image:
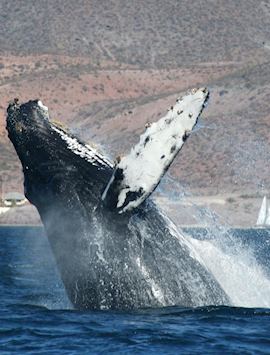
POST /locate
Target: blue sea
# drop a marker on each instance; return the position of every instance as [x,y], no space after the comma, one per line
[36,317]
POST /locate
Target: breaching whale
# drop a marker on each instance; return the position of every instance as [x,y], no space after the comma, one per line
[115,249]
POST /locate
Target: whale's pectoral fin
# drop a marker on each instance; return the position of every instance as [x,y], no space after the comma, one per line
[137,175]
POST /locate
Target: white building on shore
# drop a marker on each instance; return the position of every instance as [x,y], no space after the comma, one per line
[14,199]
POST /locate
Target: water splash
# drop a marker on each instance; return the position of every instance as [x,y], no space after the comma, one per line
[234,266]
[237,271]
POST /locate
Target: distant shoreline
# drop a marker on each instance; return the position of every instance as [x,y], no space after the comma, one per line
[231,211]
[20,225]
[181,227]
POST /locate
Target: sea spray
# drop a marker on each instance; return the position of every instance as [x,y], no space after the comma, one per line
[232,263]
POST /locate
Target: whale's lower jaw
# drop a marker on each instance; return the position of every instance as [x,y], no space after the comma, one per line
[106,260]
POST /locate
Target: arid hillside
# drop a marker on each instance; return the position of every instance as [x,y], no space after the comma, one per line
[152,33]
[105,68]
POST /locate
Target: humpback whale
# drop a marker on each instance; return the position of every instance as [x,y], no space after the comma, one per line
[115,249]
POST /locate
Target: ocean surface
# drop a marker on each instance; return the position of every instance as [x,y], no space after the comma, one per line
[36,317]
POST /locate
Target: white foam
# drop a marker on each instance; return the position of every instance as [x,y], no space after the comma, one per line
[238,273]
[156,290]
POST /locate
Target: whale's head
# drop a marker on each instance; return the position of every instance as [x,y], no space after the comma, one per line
[29,129]
[25,120]
[51,157]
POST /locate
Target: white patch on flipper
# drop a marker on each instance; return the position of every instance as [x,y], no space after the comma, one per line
[84,151]
[147,162]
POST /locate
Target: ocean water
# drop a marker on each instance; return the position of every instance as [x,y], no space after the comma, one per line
[36,317]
